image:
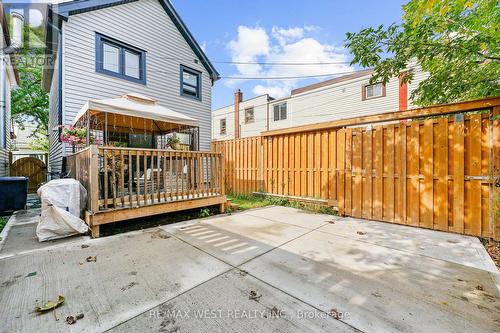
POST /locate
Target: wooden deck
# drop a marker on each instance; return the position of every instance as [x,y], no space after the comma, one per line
[127,183]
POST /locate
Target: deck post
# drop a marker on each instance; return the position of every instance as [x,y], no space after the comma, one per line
[94,179]
[93,194]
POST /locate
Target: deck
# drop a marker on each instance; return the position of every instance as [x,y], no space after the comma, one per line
[127,183]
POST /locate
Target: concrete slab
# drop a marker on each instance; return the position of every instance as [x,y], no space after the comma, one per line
[292,216]
[223,305]
[235,238]
[460,249]
[393,278]
[19,235]
[382,289]
[133,273]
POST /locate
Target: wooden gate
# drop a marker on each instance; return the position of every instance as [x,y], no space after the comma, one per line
[30,167]
[436,167]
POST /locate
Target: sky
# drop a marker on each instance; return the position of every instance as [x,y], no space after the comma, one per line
[278,31]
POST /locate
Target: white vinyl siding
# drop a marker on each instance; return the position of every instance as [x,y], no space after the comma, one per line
[252,128]
[166,51]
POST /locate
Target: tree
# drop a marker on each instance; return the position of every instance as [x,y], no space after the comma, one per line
[29,101]
[455,41]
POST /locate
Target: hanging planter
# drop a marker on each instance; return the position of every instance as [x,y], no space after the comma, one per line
[74,136]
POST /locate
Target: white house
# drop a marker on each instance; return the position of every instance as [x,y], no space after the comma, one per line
[108,48]
[342,97]
[9,78]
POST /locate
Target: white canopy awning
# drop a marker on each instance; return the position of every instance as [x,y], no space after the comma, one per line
[136,106]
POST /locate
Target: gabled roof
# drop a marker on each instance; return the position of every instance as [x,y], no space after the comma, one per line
[339,79]
[66,9]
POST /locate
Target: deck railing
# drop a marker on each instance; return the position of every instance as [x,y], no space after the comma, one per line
[133,177]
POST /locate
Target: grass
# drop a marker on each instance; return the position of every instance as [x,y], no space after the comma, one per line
[243,201]
[253,201]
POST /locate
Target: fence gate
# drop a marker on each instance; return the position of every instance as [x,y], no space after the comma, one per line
[31,167]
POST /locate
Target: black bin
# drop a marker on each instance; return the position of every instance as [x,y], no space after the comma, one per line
[13,193]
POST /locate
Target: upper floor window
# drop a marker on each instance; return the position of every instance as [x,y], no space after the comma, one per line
[223,126]
[190,82]
[279,112]
[249,115]
[373,90]
[120,60]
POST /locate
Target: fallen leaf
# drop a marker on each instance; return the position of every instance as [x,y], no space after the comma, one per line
[91,258]
[50,305]
[31,274]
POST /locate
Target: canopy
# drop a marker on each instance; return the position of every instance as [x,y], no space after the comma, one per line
[135,111]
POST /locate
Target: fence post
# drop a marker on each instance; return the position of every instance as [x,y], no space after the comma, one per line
[94,179]
[495,174]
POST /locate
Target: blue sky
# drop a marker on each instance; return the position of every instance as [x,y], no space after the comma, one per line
[278,31]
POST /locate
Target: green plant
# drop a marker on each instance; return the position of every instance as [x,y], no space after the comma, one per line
[173,141]
[3,222]
[204,212]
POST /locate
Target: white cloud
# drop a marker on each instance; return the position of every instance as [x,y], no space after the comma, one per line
[251,43]
[289,45]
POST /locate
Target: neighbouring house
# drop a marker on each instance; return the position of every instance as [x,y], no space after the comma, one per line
[105,49]
[23,136]
[342,97]
[9,78]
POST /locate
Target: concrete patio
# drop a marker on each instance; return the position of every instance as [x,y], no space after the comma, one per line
[270,269]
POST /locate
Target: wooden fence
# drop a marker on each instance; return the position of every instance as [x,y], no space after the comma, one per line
[434,167]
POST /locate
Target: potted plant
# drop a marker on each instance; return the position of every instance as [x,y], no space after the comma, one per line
[173,142]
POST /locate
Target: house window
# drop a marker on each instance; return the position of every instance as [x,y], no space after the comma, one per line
[249,115]
[190,83]
[279,112]
[373,91]
[120,60]
[223,126]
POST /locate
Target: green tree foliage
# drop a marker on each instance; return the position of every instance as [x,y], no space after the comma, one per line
[29,101]
[455,41]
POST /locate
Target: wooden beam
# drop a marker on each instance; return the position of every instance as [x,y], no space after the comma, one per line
[393,116]
[121,214]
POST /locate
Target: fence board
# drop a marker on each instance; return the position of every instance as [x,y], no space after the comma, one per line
[433,172]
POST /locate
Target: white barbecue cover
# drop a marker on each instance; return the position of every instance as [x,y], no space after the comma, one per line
[63,202]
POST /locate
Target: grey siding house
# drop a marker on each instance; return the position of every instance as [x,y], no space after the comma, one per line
[105,49]
[9,78]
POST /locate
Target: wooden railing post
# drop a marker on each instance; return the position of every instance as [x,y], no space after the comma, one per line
[93,180]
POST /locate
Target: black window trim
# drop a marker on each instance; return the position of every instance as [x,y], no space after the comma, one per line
[99,65]
[198,88]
